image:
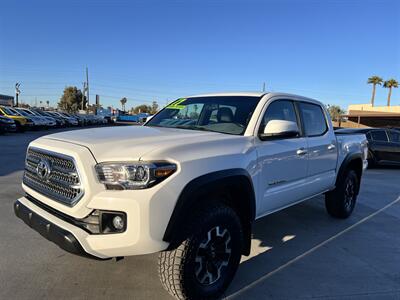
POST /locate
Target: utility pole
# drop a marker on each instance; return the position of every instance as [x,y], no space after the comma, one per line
[17,92]
[87,88]
[263,86]
[97,104]
[83,96]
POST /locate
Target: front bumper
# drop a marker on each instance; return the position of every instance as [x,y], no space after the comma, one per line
[9,127]
[61,237]
[67,233]
[29,125]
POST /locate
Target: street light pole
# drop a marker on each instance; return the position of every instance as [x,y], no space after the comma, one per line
[17,92]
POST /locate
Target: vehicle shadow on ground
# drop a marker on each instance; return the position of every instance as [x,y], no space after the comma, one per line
[283,236]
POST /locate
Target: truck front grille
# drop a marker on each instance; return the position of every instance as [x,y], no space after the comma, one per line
[53,175]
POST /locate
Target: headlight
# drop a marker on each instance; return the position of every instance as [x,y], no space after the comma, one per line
[133,176]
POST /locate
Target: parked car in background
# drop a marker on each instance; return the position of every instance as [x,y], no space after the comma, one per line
[82,120]
[51,122]
[383,145]
[60,122]
[68,120]
[39,123]
[7,125]
[22,123]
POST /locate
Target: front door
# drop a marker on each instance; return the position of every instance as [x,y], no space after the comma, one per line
[282,162]
[394,136]
[380,145]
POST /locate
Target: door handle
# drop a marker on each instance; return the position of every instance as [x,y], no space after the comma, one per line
[301,152]
[331,147]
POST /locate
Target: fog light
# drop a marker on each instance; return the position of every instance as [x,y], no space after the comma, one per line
[113,222]
[118,223]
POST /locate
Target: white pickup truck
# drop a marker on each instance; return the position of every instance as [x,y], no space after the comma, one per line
[189,183]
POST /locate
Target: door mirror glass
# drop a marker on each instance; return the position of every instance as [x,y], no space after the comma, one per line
[279,129]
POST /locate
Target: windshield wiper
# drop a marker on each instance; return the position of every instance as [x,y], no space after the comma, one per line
[193,127]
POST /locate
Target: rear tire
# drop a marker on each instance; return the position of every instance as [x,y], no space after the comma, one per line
[203,265]
[340,202]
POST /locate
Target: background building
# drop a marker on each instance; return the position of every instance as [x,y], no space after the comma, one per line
[6,100]
[366,115]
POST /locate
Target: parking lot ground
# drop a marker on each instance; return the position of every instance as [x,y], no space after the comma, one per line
[298,253]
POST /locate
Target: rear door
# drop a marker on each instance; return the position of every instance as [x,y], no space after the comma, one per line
[322,148]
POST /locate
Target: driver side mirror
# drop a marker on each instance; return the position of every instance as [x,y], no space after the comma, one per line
[276,129]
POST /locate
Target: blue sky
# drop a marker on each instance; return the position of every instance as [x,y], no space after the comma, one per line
[161,50]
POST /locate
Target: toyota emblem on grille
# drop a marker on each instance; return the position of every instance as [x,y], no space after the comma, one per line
[43,169]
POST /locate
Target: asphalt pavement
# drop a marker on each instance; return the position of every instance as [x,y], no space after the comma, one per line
[298,253]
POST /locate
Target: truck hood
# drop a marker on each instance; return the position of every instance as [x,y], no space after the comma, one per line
[127,143]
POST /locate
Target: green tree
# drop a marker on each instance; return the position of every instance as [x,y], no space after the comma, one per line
[154,107]
[389,84]
[374,80]
[335,111]
[71,100]
[142,109]
[123,102]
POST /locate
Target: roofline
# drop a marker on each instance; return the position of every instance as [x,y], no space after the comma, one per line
[221,94]
[257,94]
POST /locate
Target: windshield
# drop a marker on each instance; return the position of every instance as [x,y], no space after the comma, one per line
[9,112]
[35,113]
[26,112]
[224,114]
[22,112]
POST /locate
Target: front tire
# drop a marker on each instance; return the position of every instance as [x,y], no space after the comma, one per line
[203,265]
[341,201]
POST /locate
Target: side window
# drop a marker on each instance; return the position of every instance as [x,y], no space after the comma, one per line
[278,110]
[395,136]
[313,119]
[379,135]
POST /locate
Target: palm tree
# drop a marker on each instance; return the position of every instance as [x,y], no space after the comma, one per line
[123,102]
[389,84]
[374,80]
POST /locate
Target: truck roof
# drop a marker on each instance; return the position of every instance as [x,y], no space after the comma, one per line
[258,94]
[248,94]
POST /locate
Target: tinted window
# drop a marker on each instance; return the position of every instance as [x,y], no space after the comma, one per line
[224,114]
[278,110]
[379,135]
[313,119]
[395,136]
